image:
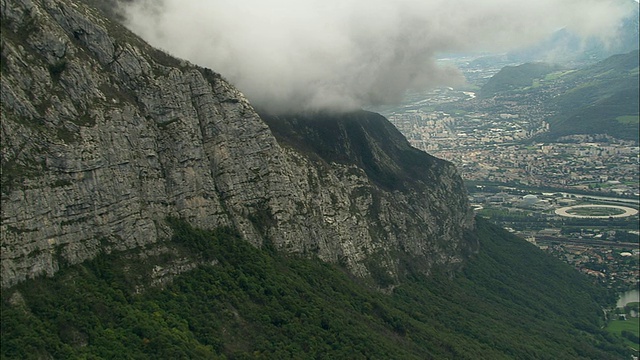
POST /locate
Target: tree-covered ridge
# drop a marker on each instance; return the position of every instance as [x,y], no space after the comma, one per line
[512,78]
[510,301]
[602,98]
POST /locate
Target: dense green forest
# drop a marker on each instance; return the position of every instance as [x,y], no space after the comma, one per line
[509,301]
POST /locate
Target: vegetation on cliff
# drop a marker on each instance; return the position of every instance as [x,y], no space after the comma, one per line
[510,301]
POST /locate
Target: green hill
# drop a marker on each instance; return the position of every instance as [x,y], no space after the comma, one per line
[510,301]
[512,78]
[601,99]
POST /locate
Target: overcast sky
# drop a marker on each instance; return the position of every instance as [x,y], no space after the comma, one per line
[289,55]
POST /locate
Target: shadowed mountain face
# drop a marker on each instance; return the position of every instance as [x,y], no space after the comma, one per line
[360,138]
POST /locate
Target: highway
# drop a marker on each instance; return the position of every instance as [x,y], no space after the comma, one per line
[547,240]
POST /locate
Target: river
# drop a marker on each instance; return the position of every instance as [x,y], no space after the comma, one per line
[627,297]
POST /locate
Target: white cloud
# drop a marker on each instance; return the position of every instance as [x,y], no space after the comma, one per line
[288,55]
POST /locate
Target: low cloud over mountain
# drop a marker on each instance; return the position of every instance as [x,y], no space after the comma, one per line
[290,55]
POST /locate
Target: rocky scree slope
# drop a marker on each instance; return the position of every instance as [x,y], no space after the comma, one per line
[104,137]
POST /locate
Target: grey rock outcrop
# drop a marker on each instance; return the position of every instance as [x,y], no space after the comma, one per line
[103,137]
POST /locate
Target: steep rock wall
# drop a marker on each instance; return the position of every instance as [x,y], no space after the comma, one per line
[103,137]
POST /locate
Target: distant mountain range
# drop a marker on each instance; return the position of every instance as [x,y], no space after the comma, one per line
[598,99]
[566,47]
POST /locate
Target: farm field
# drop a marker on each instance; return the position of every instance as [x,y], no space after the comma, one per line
[618,326]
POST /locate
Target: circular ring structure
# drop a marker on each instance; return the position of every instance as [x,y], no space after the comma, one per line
[627,211]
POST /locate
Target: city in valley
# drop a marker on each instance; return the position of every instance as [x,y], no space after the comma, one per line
[575,196]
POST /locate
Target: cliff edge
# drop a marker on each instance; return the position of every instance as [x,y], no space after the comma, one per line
[104,137]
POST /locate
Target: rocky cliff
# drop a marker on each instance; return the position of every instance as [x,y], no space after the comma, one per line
[104,137]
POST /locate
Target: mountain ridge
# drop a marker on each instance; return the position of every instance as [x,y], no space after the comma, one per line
[363,139]
[149,212]
[105,137]
[601,98]
[513,78]
[594,106]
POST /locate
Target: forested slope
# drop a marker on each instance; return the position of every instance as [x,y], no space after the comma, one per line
[510,301]
[602,98]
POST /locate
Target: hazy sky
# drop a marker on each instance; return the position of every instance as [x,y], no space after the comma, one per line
[288,55]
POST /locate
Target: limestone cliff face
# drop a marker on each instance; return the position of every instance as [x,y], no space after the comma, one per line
[103,137]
